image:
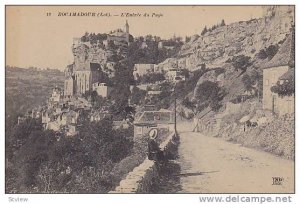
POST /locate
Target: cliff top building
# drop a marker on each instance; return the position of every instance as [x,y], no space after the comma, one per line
[90,60]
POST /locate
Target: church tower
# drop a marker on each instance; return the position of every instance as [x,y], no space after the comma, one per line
[127,31]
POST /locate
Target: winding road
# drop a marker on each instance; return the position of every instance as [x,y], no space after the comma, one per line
[212,165]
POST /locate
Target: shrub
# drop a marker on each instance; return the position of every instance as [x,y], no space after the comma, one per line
[271,51]
[152,78]
[241,62]
[204,30]
[138,96]
[248,82]
[287,88]
[262,54]
[208,93]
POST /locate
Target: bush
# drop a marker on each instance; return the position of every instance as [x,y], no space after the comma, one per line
[208,93]
[241,62]
[262,54]
[151,78]
[287,88]
[271,51]
[47,164]
[138,96]
[204,30]
[248,82]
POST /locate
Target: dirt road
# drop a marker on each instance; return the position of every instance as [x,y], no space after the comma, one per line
[212,165]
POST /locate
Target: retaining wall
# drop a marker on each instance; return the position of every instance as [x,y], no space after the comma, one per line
[139,180]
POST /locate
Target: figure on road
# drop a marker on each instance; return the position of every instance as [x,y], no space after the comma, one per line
[154,152]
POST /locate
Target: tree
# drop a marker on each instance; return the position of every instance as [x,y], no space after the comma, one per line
[253,81]
[185,73]
[152,78]
[85,37]
[248,82]
[208,93]
[241,62]
[187,39]
[190,105]
[287,88]
[137,96]
[223,22]
[271,51]
[204,31]
[268,52]
[262,54]
[206,90]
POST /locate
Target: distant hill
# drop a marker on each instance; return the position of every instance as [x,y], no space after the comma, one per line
[28,88]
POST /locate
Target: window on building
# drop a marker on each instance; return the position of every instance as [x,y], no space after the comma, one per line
[140,130]
[267,82]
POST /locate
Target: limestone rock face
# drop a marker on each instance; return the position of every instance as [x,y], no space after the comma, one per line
[239,38]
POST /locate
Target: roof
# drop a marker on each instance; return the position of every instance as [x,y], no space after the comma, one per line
[156,117]
[154,92]
[118,33]
[285,54]
[70,66]
[290,74]
[165,110]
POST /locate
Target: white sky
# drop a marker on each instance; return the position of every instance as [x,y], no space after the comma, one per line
[33,39]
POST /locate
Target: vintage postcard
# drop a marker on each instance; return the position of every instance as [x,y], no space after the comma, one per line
[150,99]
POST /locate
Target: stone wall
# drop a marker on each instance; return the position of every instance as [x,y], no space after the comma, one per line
[139,180]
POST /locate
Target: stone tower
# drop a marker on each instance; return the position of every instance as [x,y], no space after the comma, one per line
[127,31]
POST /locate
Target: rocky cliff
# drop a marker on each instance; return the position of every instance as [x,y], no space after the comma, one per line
[215,47]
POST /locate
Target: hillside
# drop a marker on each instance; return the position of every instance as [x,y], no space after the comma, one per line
[216,46]
[28,88]
[231,87]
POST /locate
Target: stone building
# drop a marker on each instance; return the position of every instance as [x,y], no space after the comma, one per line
[90,62]
[81,79]
[102,89]
[279,68]
[162,119]
[56,96]
[288,102]
[119,35]
[174,75]
[142,69]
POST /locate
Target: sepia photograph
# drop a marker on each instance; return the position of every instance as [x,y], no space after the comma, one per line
[149,99]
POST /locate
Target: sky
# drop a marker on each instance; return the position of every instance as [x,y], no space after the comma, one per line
[35,39]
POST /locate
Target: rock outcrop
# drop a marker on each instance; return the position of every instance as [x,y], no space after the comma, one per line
[239,38]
